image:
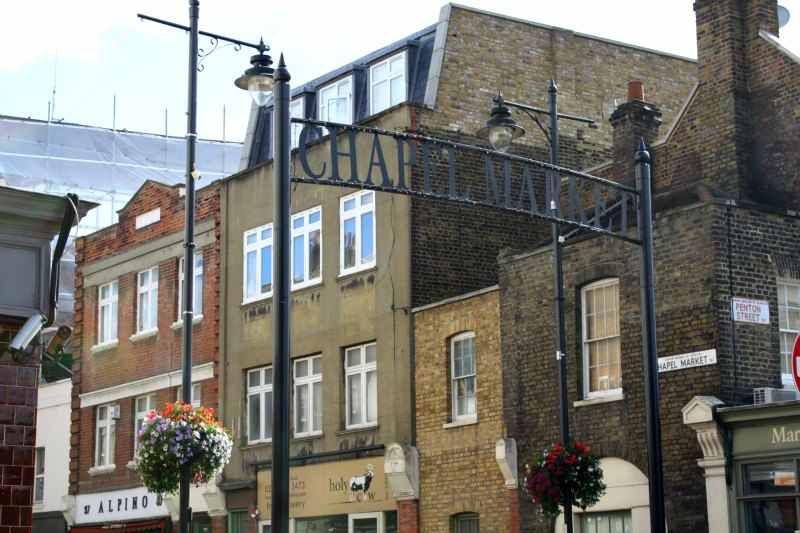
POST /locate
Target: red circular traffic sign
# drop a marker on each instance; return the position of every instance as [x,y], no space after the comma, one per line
[796,363]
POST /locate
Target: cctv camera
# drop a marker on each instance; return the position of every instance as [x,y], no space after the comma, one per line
[26,334]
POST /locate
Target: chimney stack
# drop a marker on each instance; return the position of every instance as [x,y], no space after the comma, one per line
[632,121]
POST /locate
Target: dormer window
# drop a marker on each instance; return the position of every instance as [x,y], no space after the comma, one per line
[336,101]
[296,110]
[387,83]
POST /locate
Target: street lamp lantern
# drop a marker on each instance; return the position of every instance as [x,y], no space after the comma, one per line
[258,78]
[501,128]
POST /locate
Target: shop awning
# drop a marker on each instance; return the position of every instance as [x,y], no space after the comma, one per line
[154,526]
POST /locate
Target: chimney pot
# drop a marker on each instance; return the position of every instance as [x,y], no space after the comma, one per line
[635,91]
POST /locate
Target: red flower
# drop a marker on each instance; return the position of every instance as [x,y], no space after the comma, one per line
[571,459]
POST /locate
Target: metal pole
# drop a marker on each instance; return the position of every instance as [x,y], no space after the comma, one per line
[281,340]
[188,255]
[656,477]
[558,292]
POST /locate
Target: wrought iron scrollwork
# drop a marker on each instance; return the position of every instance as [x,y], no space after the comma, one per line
[203,53]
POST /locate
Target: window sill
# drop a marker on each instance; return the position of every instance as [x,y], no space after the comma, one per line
[460,423]
[132,465]
[255,444]
[249,301]
[101,470]
[362,270]
[357,429]
[136,337]
[307,436]
[104,347]
[312,285]
[178,324]
[600,400]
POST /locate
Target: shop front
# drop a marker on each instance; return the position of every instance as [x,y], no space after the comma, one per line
[335,497]
[122,511]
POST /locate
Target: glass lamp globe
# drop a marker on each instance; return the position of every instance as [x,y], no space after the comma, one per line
[500,137]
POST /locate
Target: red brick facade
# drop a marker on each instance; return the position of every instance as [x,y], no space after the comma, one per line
[119,253]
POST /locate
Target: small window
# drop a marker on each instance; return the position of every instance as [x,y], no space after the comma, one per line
[465,523]
[602,367]
[296,110]
[143,405]
[258,263]
[104,435]
[147,302]
[259,405]
[357,232]
[107,298]
[463,374]
[336,102]
[789,325]
[361,385]
[196,397]
[197,286]
[38,482]
[616,522]
[387,83]
[307,248]
[308,396]
[150,217]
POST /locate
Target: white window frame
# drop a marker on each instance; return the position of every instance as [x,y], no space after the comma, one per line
[356,213]
[305,231]
[139,416]
[786,378]
[587,393]
[362,370]
[297,109]
[112,302]
[453,378]
[197,287]
[308,381]
[322,99]
[110,425]
[150,217]
[196,397]
[151,290]
[261,390]
[389,77]
[258,246]
[40,460]
[362,516]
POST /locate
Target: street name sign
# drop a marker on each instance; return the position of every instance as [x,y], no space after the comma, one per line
[687,360]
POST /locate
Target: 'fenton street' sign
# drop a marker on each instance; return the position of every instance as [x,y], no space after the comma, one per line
[753,311]
[687,360]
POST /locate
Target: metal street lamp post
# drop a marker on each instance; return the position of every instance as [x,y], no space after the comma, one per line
[258,81]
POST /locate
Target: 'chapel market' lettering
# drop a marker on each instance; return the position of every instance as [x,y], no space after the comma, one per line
[510,182]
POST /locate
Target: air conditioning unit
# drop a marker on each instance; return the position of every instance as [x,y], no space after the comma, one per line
[764,395]
[115,412]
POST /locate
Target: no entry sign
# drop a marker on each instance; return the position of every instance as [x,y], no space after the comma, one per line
[796,363]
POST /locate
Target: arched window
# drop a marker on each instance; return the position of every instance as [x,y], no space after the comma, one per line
[602,361]
[464,523]
[463,373]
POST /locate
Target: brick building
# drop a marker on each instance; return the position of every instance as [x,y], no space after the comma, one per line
[128,355]
[726,257]
[368,258]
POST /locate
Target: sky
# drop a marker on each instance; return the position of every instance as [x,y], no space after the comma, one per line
[95,51]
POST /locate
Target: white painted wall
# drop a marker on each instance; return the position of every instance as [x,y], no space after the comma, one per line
[52,433]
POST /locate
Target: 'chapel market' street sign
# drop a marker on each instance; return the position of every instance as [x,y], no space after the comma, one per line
[511,182]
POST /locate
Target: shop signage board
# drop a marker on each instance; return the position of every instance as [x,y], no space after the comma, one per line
[752,311]
[335,488]
[796,363]
[767,437]
[118,506]
[687,360]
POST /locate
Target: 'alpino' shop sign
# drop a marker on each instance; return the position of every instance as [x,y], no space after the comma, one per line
[118,506]
[341,487]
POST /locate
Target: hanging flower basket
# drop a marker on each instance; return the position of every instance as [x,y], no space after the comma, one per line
[178,435]
[561,471]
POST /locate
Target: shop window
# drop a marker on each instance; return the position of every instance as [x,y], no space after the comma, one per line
[107,299]
[602,372]
[465,523]
[328,524]
[387,83]
[357,232]
[143,404]
[147,301]
[361,385]
[259,405]
[308,396]
[239,521]
[307,248]
[258,263]
[789,325]
[365,523]
[197,287]
[38,482]
[769,496]
[463,376]
[616,522]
